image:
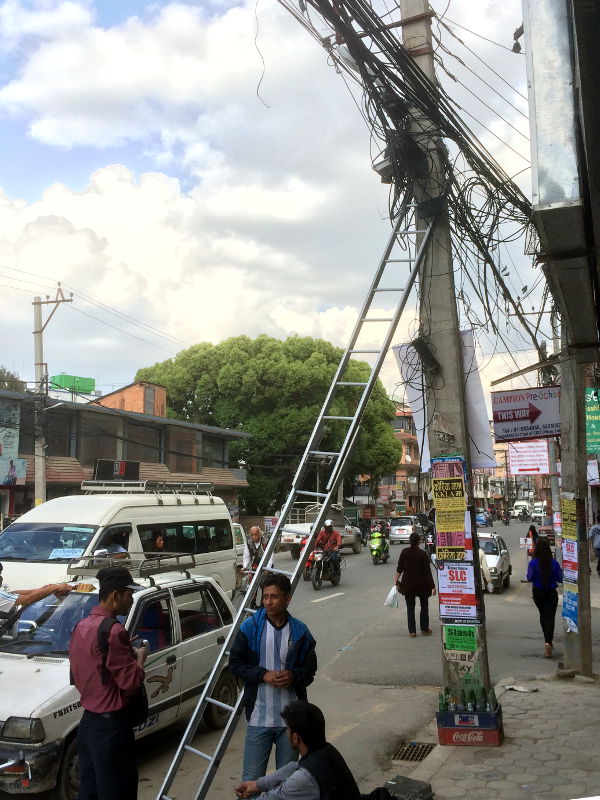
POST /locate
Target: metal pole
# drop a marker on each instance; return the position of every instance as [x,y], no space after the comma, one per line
[38,345]
[448,431]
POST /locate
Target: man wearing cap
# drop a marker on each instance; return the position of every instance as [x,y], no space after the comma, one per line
[331,541]
[105,739]
[10,602]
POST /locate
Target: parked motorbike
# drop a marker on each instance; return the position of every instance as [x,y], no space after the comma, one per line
[379,546]
[323,568]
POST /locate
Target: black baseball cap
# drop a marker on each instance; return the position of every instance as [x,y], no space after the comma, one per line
[113,578]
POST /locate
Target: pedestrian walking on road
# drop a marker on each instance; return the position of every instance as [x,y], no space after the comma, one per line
[533,535]
[274,654]
[107,671]
[414,579]
[545,573]
[594,535]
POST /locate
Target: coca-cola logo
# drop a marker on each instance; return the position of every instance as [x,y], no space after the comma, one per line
[467,736]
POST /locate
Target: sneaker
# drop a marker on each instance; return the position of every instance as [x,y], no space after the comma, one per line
[427,632]
[547,650]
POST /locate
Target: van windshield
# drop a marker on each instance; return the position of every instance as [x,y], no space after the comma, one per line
[45,627]
[44,541]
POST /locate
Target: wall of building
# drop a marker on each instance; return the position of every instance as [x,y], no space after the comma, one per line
[143,398]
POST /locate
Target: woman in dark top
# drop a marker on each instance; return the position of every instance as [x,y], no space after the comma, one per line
[533,535]
[416,581]
[545,573]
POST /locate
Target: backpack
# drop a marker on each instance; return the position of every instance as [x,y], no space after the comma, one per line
[137,706]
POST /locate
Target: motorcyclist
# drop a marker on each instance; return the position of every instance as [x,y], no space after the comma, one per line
[330,541]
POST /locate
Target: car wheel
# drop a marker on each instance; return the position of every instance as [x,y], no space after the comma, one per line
[356,547]
[226,691]
[295,550]
[506,581]
[68,773]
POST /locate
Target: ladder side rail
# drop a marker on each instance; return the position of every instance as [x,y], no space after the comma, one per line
[355,424]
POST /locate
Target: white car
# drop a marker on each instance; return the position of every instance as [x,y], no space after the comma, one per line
[184,619]
[402,527]
[294,534]
[497,558]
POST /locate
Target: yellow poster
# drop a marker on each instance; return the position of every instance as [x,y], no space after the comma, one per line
[569,519]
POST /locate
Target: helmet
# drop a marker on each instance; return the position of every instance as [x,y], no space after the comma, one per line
[328,523]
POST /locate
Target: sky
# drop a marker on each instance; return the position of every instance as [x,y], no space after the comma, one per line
[193,171]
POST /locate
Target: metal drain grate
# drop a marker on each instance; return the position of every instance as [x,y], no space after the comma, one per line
[413,751]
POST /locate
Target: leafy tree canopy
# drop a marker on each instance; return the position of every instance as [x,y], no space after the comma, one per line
[10,381]
[274,390]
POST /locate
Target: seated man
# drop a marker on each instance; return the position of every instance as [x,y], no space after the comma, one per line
[320,774]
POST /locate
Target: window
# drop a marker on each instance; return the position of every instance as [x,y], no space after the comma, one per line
[204,536]
[197,612]
[98,437]
[143,443]
[115,539]
[213,452]
[155,625]
[149,400]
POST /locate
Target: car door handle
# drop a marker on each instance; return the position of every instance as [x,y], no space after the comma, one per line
[171,659]
[220,640]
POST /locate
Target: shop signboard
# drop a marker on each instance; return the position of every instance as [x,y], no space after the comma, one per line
[526,413]
[592,420]
[10,417]
[13,471]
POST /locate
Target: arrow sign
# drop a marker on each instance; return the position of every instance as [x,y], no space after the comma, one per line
[531,413]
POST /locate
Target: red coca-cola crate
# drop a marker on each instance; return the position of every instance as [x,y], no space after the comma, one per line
[471,737]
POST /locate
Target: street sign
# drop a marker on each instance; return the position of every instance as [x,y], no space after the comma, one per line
[526,413]
[529,458]
[592,420]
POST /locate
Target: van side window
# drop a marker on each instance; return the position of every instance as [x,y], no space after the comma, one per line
[150,536]
[115,539]
[206,536]
[197,612]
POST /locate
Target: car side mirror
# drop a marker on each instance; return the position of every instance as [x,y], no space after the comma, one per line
[102,552]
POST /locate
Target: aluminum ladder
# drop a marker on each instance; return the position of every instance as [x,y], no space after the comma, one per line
[409,240]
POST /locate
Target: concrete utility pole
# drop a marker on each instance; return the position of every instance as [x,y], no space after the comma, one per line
[41,387]
[448,430]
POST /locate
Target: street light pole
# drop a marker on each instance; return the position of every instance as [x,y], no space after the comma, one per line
[41,388]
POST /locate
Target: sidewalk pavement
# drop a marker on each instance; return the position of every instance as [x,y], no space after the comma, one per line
[551,748]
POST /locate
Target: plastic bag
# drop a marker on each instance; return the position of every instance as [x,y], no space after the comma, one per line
[392,599]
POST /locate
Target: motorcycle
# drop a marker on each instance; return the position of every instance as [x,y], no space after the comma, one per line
[323,568]
[430,541]
[310,562]
[506,519]
[523,516]
[379,546]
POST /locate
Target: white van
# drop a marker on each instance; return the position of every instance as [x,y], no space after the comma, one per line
[115,519]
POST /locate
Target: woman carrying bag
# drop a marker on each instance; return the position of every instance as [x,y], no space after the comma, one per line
[545,573]
[416,580]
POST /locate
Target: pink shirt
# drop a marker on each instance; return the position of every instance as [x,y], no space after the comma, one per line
[86,664]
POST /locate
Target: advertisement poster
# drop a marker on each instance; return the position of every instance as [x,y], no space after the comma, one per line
[456,588]
[569,551]
[450,504]
[570,607]
[460,637]
[13,471]
[10,416]
[592,420]
[529,458]
[526,413]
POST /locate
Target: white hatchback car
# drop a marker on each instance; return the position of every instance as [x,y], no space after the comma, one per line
[402,527]
[184,619]
[498,559]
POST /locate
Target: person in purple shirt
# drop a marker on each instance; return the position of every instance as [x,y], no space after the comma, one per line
[545,573]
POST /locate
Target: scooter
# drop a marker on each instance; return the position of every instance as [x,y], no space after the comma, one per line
[379,546]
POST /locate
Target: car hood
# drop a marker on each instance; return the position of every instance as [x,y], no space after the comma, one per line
[26,684]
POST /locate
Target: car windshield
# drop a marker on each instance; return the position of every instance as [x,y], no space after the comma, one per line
[399,521]
[490,548]
[45,627]
[27,541]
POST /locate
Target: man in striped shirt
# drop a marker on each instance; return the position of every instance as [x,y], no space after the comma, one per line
[274,654]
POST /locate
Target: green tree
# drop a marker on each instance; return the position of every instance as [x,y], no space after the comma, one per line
[274,390]
[10,381]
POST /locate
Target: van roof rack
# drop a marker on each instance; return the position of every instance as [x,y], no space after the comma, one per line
[158,488]
[141,565]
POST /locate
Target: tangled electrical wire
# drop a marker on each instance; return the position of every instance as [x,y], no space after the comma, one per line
[430,154]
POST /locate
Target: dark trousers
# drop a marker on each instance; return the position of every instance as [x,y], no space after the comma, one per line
[410,600]
[106,749]
[546,601]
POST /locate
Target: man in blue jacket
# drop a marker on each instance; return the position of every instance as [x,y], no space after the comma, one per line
[274,654]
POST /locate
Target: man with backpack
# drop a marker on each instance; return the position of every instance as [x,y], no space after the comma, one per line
[108,673]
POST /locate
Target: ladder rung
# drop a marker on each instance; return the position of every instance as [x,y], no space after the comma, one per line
[412,230]
[377,319]
[323,453]
[389,289]
[365,351]
[219,704]
[400,261]
[342,418]
[317,494]
[280,572]
[351,383]
[198,752]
